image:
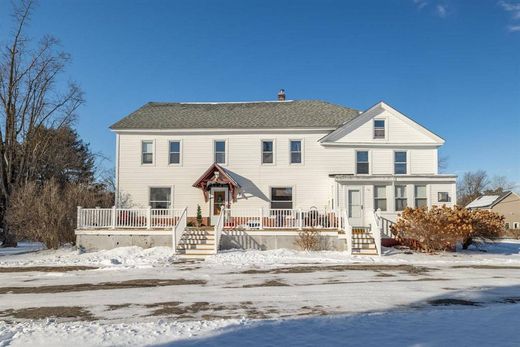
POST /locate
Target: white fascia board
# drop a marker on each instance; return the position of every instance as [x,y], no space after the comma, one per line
[376,144]
[381,179]
[222,130]
[412,123]
[371,113]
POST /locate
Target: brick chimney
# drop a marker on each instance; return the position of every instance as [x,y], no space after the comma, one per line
[281,95]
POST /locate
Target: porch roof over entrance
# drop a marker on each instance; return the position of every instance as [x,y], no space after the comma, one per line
[216,175]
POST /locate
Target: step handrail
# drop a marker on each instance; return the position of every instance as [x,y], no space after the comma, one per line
[219,226]
[179,229]
[375,229]
[347,228]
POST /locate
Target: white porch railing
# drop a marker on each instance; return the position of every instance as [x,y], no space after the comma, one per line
[218,229]
[179,229]
[133,218]
[347,228]
[282,219]
[375,229]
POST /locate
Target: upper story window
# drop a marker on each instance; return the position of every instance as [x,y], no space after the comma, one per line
[267,152]
[160,197]
[282,198]
[380,198]
[296,151]
[420,196]
[400,198]
[175,152]
[379,129]
[362,162]
[400,163]
[220,152]
[147,152]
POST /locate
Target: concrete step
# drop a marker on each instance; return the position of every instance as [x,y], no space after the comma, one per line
[194,235]
[199,252]
[364,246]
[196,242]
[198,237]
[363,240]
[361,251]
[196,246]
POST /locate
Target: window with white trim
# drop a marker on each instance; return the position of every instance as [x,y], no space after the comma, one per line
[379,128]
[281,197]
[420,196]
[516,225]
[220,152]
[160,197]
[296,151]
[400,163]
[147,152]
[267,152]
[401,202]
[380,198]
[362,162]
[443,197]
[175,152]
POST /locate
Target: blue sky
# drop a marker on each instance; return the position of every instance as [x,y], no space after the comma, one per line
[453,66]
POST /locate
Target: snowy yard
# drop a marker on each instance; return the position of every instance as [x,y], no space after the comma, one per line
[131,296]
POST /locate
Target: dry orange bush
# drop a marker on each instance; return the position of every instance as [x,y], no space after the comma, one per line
[48,214]
[441,228]
[309,240]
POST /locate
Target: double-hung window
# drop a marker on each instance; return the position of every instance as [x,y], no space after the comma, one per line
[420,196]
[296,151]
[282,197]
[147,152]
[362,162]
[175,152]
[220,152]
[400,198]
[160,197]
[443,197]
[380,198]
[267,152]
[400,163]
[379,129]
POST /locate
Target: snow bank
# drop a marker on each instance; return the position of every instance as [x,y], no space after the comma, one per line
[84,334]
[123,256]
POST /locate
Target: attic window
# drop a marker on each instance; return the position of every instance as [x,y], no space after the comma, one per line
[379,129]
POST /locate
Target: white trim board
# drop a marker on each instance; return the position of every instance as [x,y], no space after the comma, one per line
[373,112]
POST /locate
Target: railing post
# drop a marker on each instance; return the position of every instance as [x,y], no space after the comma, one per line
[113,216]
[300,219]
[78,221]
[261,225]
[149,217]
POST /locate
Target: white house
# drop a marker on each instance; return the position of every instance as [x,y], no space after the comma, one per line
[299,154]
[268,168]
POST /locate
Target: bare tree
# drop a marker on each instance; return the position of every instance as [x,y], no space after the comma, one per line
[30,99]
[471,186]
[500,184]
[442,163]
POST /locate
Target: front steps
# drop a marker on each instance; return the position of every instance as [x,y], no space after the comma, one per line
[199,242]
[196,243]
[362,242]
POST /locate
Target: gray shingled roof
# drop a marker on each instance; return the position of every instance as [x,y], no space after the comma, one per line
[239,115]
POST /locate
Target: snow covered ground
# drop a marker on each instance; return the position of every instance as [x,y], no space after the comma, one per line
[134,296]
